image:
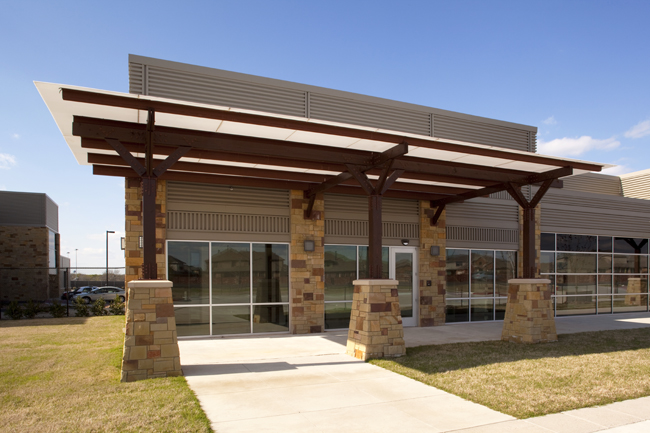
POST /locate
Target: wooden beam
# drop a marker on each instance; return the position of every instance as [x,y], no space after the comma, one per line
[141,103]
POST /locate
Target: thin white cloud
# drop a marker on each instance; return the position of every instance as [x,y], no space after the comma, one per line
[7,161]
[15,136]
[576,146]
[639,130]
[3,188]
[550,121]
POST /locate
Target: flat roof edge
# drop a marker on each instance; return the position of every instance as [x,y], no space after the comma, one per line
[204,70]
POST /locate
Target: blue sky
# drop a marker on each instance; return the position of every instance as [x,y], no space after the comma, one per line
[576,69]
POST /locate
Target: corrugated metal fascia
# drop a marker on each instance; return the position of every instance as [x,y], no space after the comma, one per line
[594,183]
[482,133]
[362,113]
[339,206]
[166,64]
[484,212]
[51,214]
[600,202]
[636,185]
[229,93]
[136,78]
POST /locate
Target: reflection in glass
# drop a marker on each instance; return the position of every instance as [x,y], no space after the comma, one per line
[482,273]
[604,244]
[547,265]
[457,273]
[192,321]
[230,273]
[482,309]
[234,319]
[630,264]
[605,284]
[629,303]
[270,318]
[457,310]
[404,276]
[500,308]
[506,269]
[569,263]
[363,262]
[630,284]
[631,245]
[188,270]
[604,304]
[547,242]
[576,284]
[575,305]
[337,315]
[604,263]
[270,273]
[340,272]
[581,243]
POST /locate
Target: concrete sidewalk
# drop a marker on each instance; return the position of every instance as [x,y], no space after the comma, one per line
[288,383]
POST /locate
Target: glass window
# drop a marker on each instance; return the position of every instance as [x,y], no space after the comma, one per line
[581,243]
[506,269]
[631,245]
[630,264]
[604,304]
[547,242]
[188,270]
[51,256]
[270,273]
[233,319]
[482,273]
[604,263]
[575,305]
[630,284]
[630,302]
[500,308]
[457,310]
[337,315]
[192,320]
[270,318]
[457,273]
[547,265]
[576,284]
[604,244]
[340,272]
[604,284]
[363,262]
[231,278]
[569,263]
[482,309]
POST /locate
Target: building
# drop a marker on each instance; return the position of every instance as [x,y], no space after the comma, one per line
[29,247]
[265,211]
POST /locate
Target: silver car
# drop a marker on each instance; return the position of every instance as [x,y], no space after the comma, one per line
[108,293]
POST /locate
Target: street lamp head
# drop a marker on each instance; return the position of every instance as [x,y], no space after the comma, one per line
[110,231]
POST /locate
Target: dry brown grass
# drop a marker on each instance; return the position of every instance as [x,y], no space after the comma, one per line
[62,375]
[580,370]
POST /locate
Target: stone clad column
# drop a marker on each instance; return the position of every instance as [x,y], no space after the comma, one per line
[529,312]
[432,268]
[150,343]
[375,321]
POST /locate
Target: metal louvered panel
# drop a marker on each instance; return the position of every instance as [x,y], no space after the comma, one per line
[356,228]
[23,209]
[578,212]
[136,78]
[51,214]
[483,133]
[214,90]
[219,198]
[532,142]
[356,207]
[227,223]
[482,234]
[636,185]
[484,212]
[501,195]
[595,183]
[336,109]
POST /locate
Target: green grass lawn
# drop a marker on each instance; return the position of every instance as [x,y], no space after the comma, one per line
[580,370]
[64,375]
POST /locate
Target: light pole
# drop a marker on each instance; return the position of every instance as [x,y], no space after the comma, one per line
[107,232]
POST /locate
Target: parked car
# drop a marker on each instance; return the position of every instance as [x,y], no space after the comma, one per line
[108,293]
[78,290]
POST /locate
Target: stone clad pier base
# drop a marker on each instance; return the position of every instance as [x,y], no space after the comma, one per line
[529,312]
[150,343]
[375,322]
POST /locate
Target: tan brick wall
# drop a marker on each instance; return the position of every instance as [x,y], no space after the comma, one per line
[538,237]
[432,298]
[24,247]
[307,268]
[133,228]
